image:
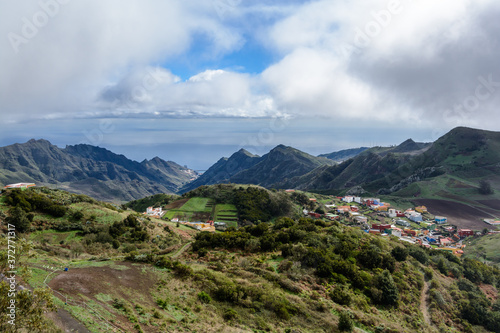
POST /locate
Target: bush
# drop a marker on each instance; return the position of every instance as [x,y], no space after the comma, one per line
[400,253]
[230,314]
[341,295]
[345,322]
[204,297]
[389,292]
[419,254]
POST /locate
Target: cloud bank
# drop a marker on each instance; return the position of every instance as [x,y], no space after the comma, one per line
[421,62]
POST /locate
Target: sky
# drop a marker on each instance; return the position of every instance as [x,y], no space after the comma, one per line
[192,81]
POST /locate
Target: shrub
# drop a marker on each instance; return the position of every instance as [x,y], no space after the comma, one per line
[204,297]
[345,322]
[385,283]
[419,254]
[230,314]
[399,253]
[341,295]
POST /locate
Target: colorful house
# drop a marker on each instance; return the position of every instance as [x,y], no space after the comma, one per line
[421,209]
[440,219]
[403,223]
[462,233]
[416,217]
[381,227]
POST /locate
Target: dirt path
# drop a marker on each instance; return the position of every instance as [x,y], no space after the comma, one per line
[181,250]
[424,304]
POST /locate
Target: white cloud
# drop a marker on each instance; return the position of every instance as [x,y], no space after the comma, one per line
[385,60]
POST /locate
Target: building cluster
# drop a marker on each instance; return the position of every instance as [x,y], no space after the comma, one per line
[415,225]
[155,212]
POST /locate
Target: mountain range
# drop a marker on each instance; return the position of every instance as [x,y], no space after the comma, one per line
[467,155]
[90,170]
[270,170]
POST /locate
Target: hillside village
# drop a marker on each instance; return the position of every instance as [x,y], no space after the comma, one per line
[414,225]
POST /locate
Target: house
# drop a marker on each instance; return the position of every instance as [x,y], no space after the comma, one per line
[403,223]
[440,219]
[392,212]
[315,215]
[374,231]
[429,226]
[331,216]
[462,233]
[22,186]
[361,219]
[381,227]
[492,222]
[421,209]
[289,191]
[357,200]
[221,226]
[408,213]
[175,219]
[354,208]
[395,232]
[431,239]
[348,198]
[343,209]
[353,214]
[312,199]
[416,217]
[411,232]
[155,212]
[445,241]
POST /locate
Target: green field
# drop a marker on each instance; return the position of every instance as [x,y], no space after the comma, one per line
[485,248]
[196,209]
[197,205]
[54,236]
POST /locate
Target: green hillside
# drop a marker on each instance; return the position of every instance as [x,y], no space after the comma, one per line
[129,273]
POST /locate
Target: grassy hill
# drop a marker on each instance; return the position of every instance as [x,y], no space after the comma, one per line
[130,273]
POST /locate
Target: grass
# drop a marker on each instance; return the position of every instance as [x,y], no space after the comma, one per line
[226,213]
[485,248]
[102,215]
[54,236]
[196,204]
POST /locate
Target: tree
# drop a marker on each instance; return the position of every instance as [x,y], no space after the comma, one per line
[30,309]
[399,253]
[19,218]
[345,322]
[385,283]
[485,188]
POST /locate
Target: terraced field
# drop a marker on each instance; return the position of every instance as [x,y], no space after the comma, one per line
[194,210]
[226,213]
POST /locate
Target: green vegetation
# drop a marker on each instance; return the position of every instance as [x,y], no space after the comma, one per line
[485,248]
[282,274]
[157,200]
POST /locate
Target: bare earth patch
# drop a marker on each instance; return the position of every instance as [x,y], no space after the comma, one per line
[461,215]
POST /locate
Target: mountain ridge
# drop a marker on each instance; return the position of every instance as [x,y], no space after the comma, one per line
[89,170]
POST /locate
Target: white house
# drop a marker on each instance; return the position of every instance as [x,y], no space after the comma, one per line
[348,199]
